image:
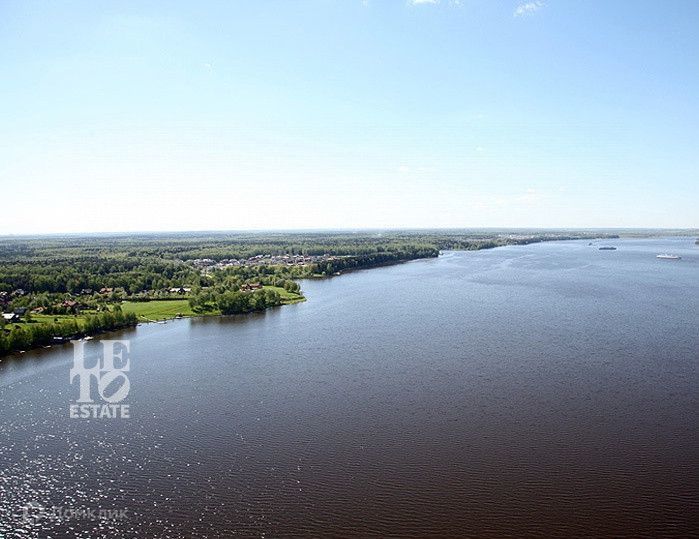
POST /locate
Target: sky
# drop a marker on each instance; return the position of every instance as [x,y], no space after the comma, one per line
[322,114]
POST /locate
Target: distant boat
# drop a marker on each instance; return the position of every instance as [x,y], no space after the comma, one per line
[607,248]
[668,257]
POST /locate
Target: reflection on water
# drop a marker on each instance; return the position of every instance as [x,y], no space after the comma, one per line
[548,389]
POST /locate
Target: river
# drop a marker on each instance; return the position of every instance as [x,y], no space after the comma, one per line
[542,390]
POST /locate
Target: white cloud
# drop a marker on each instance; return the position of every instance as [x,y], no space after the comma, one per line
[528,8]
[452,3]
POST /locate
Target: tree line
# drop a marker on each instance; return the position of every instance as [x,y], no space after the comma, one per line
[30,335]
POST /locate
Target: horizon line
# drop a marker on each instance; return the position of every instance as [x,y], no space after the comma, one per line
[689,230]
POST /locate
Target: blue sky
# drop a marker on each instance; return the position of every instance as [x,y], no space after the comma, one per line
[348,114]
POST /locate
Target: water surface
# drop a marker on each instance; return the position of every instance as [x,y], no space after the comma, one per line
[548,389]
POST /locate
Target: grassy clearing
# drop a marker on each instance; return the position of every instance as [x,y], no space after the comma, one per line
[287,297]
[51,318]
[158,309]
[44,318]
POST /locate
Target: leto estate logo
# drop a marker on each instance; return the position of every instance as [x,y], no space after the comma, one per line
[112,382]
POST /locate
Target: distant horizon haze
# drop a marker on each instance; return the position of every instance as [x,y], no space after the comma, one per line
[674,231]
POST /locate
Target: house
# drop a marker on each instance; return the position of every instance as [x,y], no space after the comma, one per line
[70,305]
[86,292]
[249,287]
[21,311]
[18,292]
[10,317]
[179,290]
[106,290]
[38,310]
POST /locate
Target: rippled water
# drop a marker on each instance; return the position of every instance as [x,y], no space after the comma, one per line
[548,389]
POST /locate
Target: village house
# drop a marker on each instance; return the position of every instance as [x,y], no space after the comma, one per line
[10,317]
[179,290]
[70,305]
[249,287]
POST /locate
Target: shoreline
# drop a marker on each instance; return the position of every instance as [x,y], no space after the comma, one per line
[143,320]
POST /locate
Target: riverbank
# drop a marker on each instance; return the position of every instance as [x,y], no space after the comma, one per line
[67,294]
[44,333]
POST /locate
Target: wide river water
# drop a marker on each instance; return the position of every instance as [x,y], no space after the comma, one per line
[542,390]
